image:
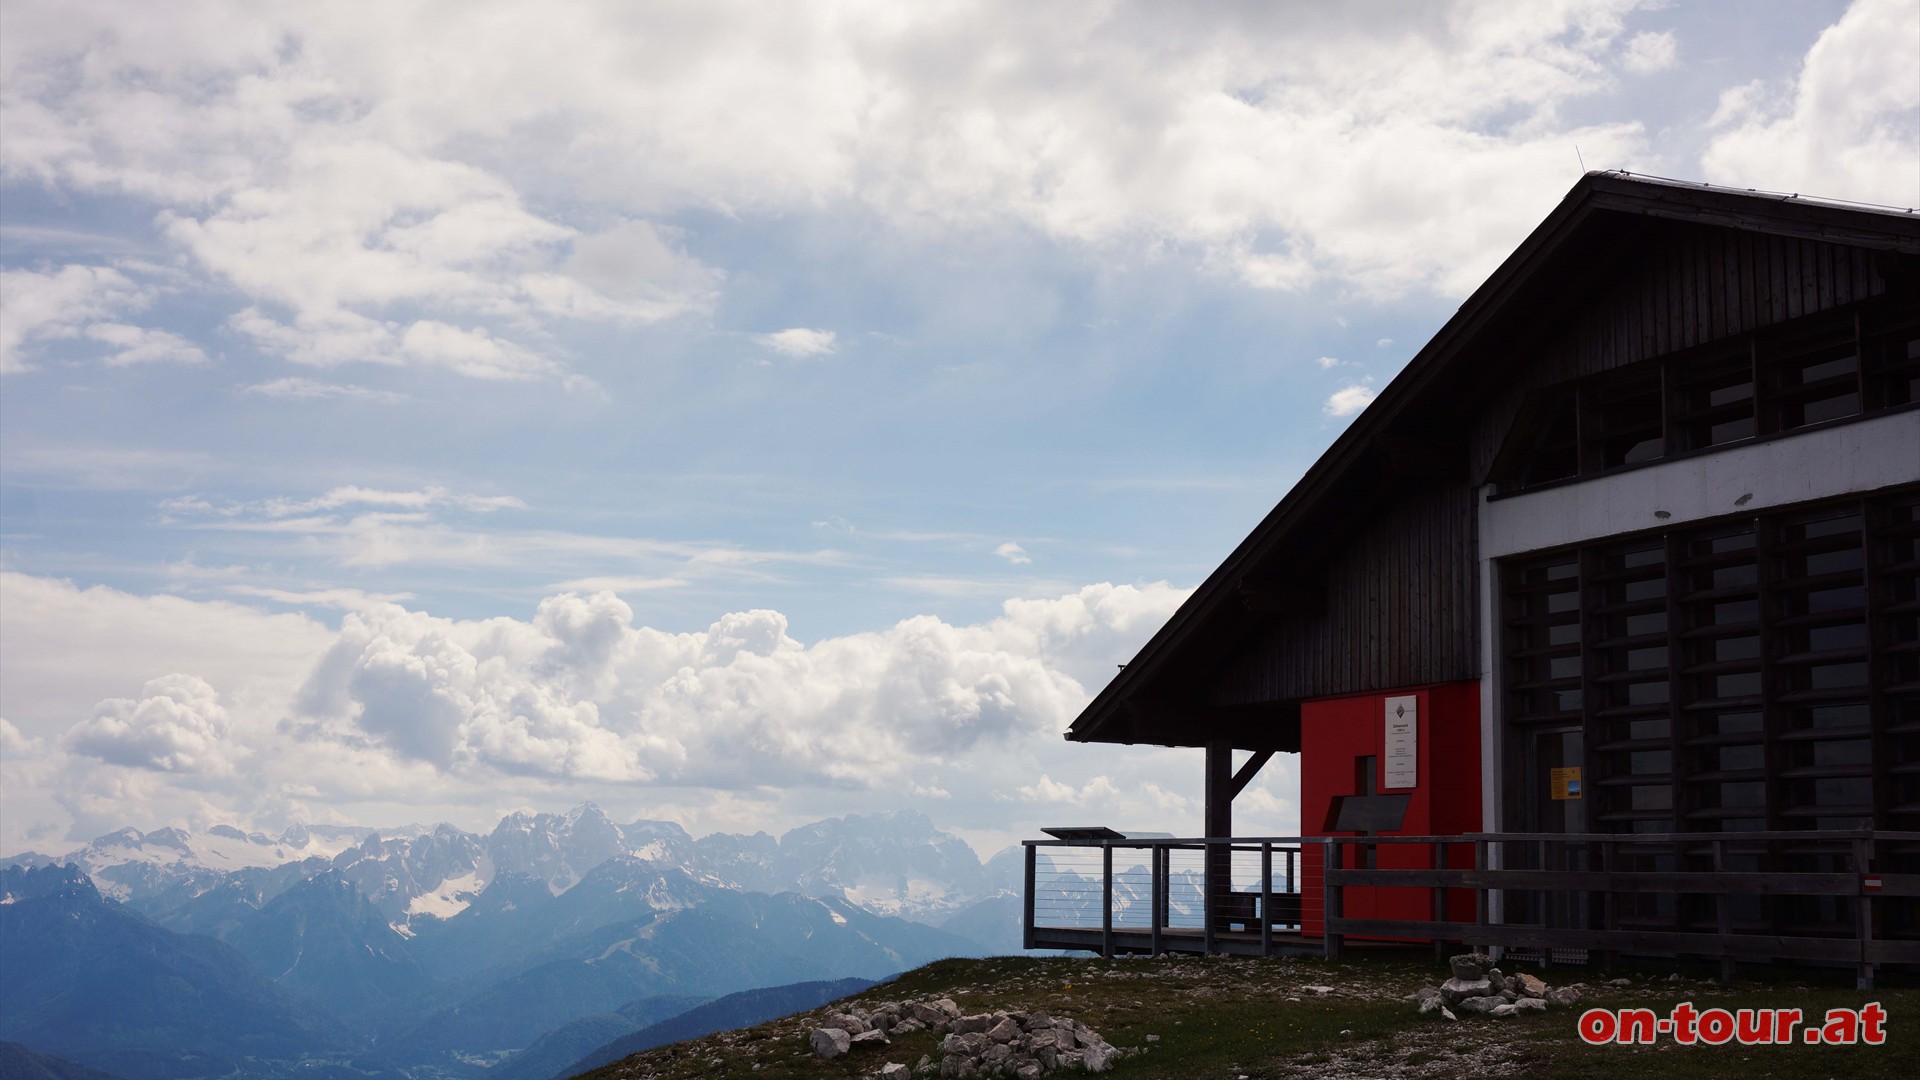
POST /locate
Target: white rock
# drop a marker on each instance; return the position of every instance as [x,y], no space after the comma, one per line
[1454,991]
[831,1043]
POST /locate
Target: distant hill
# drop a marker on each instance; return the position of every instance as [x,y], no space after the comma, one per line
[552,1052]
[91,981]
[18,1062]
[734,940]
[739,1010]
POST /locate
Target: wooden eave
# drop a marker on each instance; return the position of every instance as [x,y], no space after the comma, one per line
[1601,217]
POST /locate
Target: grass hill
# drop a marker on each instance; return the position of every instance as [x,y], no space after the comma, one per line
[1242,1019]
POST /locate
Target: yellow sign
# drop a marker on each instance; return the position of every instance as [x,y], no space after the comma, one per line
[1566,783]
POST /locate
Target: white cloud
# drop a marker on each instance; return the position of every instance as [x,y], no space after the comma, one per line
[143,345]
[1047,789]
[1330,362]
[44,306]
[1349,399]
[474,353]
[1384,342]
[619,583]
[299,388]
[384,161]
[1650,52]
[177,725]
[799,342]
[373,528]
[1848,126]
[343,599]
[1013,553]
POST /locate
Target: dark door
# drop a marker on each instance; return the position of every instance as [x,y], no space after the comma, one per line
[1556,782]
[1556,802]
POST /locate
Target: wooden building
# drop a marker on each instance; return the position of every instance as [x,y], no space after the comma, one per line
[1633,544]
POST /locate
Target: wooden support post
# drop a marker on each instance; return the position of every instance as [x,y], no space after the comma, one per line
[1439,900]
[1863,914]
[1480,892]
[1329,863]
[1026,933]
[1217,870]
[1723,910]
[1266,898]
[1106,900]
[1609,905]
[1547,905]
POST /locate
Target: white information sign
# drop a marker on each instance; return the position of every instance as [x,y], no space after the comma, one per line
[1400,764]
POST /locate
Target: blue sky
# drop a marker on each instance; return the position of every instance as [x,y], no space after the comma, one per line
[743,416]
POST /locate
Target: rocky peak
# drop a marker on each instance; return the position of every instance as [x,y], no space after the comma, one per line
[19,883]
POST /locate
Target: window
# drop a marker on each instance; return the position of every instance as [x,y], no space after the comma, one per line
[1814,370]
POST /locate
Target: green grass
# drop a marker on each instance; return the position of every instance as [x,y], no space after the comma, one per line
[1231,1017]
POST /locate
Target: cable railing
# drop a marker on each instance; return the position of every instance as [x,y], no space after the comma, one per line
[1848,897]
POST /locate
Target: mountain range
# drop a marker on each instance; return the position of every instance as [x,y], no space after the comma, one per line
[435,953]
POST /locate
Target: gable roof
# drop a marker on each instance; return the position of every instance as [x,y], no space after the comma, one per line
[1600,217]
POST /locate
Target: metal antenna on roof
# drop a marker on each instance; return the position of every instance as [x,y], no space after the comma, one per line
[1581,160]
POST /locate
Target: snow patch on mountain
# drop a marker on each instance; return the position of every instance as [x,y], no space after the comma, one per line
[452,896]
[896,864]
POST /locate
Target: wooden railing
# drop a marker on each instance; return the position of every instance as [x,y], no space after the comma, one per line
[1829,897]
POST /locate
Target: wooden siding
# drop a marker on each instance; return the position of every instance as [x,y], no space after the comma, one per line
[1401,609]
[1401,589]
[1690,285]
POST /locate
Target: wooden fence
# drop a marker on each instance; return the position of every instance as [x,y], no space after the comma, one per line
[1825,897]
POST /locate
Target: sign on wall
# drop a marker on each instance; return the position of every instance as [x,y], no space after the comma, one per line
[1565,783]
[1400,750]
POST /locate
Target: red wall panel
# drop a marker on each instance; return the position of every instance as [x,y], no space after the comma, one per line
[1335,733]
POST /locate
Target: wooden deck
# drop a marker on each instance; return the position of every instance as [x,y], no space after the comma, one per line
[1143,941]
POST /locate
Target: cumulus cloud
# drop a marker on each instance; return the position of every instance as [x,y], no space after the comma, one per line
[1349,399]
[1847,126]
[799,342]
[1013,553]
[579,691]
[176,725]
[401,713]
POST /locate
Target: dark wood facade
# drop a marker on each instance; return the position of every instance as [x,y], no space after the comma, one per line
[1396,607]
